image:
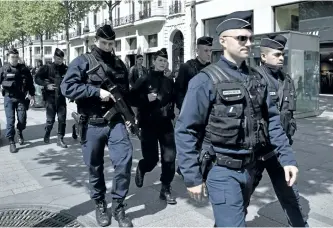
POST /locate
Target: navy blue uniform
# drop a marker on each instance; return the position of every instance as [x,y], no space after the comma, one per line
[288,196]
[114,135]
[14,96]
[229,189]
[55,101]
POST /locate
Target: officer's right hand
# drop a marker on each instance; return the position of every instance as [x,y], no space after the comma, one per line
[50,87]
[106,95]
[196,192]
[290,173]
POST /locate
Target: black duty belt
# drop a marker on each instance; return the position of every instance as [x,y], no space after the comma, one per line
[96,120]
[234,161]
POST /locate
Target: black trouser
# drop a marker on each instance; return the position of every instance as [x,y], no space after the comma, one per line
[161,132]
[51,110]
[288,196]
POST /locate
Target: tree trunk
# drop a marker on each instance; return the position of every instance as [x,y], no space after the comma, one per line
[41,48]
[3,53]
[22,40]
[67,43]
[194,24]
[110,12]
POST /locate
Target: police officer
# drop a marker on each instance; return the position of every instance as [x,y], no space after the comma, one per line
[93,101]
[192,67]
[282,91]
[17,89]
[50,76]
[228,101]
[155,115]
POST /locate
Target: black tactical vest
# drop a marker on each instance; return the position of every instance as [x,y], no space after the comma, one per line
[239,115]
[97,73]
[285,99]
[14,81]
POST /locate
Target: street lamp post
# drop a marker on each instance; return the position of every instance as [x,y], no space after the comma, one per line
[30,51]
[86,36]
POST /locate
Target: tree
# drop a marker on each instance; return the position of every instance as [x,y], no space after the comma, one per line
[73,12]
[15,11]
[194,24]
[7,29]
[41,17]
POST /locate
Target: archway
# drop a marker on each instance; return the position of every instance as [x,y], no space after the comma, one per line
[177,49]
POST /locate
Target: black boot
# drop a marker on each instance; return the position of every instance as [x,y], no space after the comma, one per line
[74,135]
[20,138]
[12,146]
[118,212]
[61,142]
[47,137]
[139,177]
[165,194]
[102,217]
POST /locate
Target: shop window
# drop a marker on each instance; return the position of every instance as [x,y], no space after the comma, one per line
[287,18]
[152,40]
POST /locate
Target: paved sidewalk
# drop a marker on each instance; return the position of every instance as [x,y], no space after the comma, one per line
[49,176]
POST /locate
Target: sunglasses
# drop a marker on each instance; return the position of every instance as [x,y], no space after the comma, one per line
[242,38]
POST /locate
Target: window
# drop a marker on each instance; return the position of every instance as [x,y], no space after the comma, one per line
[159,3]
[132,43]
[79,29]
[118,45]
[287,17]
[210,30]
[118,12]
[48,36]
[152,40]
[48,50]
[37,50]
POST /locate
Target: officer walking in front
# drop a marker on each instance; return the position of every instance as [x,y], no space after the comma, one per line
[282,91]
[229,104]
[50,76]
[155,114]
[85,83]
[17,89]
[192,67]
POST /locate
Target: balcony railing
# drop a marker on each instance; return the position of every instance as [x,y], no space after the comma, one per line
[123,20]
[75,34]
[175,8]
[144,14]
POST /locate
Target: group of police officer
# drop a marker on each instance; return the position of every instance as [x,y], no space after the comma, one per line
[240,117]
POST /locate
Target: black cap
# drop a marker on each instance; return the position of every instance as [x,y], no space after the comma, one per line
[163,53]
[106,32]
[59,53]
[205,40]
[236,20]
[13,51]
[274,41]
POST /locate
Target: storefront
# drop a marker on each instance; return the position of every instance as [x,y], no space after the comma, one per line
[312,17]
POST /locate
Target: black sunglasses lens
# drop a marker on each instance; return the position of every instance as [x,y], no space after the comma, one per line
[244,38]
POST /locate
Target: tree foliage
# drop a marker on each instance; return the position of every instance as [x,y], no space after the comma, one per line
[73,12]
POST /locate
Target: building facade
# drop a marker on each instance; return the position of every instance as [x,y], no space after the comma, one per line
[311,17]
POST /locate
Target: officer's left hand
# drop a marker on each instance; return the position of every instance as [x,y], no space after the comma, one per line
[32,100]
[290,173]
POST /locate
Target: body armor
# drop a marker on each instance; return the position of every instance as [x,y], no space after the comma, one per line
[14,83]
[97,74]
[237,119]
[284,97]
